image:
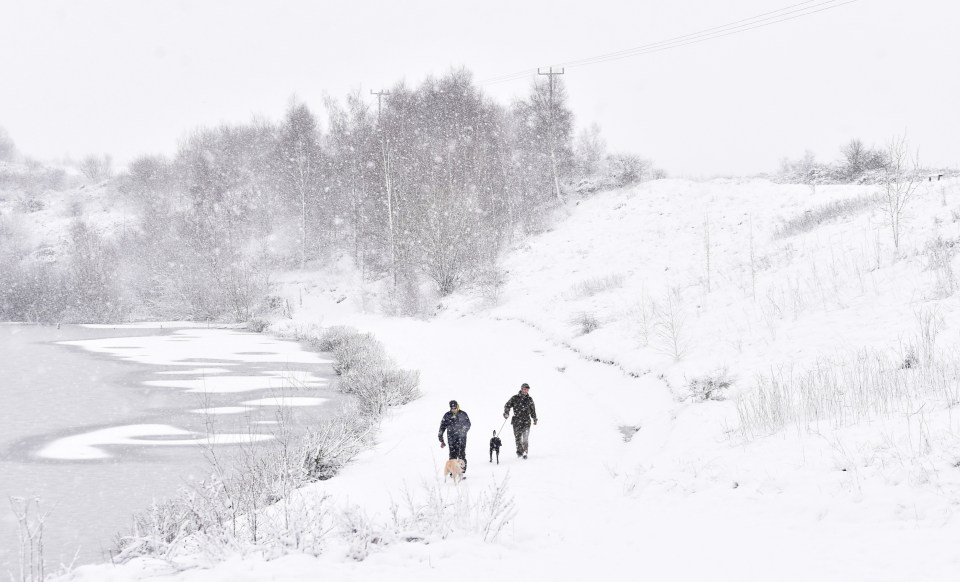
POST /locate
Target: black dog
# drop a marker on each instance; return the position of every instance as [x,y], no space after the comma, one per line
[495,446]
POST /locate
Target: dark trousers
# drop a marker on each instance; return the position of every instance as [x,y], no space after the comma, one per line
[521,435]
[458,449]
[495,450]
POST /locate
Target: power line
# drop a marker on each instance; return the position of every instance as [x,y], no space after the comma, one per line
[712,36]
[783,14]
[773,14]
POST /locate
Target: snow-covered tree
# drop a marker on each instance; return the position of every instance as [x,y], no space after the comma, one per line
[8,149]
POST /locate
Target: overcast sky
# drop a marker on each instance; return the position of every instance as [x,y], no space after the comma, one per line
[132,77]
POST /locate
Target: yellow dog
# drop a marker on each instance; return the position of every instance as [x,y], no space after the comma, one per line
[453,469]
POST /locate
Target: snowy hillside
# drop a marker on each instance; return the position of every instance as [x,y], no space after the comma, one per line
[735,380]
[39,204]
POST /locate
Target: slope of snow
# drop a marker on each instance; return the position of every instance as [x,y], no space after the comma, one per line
[42,218]
[690,496]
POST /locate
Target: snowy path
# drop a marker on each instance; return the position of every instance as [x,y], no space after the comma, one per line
[576,517]
[584,510]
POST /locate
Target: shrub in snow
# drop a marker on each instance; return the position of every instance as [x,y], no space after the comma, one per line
[30,203]
[489,282]
[710,387]
[628,431]
[629,168]
[377,384]
[162,528]
[97,168]
[257,325]
[940,253]
[378,387]
[848,391]
[356,350]
[360,532]
[276,305]
[327,449]
[818,215]
[910,359]
[593,286]
[434,513]
[586,322]
[34,179]
[8,149]
[331,337]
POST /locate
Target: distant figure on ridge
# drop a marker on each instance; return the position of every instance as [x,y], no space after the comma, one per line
[456,423]
[523,412]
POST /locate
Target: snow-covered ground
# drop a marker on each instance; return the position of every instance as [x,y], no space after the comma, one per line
[40,217]
[630,475]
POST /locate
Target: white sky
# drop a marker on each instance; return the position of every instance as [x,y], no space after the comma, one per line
[133,77]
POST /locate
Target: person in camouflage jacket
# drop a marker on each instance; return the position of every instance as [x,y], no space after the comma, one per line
[524,411]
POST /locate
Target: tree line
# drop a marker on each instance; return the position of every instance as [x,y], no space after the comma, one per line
[425,187]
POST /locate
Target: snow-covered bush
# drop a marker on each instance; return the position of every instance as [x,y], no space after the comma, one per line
[97,168]
[357,350]
[366,372]
[376,384]
[593,286]
[846,391]
[8,149]
[331,337]
[33,178]
[433,513]
[489,282]
[360,532]
[812,218]
[257,325]
[909,359]
[629,168]
[710,386]
[161,528]
[585,322]
[940,254]
[327,449]
[438,511]
[378,387]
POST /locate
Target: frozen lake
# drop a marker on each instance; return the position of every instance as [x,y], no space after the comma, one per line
[99,421]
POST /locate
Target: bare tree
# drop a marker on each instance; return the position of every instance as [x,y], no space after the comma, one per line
[901,178]
[8,150]
[97,168]
[149,181]
[547,124]
[354,151]
[30,532]
[671,326]
[590,149]
[300,167]
[854,153]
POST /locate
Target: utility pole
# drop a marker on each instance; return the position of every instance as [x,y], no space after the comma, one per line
[389,187]
[553,136]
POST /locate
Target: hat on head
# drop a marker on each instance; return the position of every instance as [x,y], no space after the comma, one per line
[453,403]
[525,385]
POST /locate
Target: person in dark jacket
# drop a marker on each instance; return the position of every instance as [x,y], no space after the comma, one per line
[523,412]
[495,445]
[456,423]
